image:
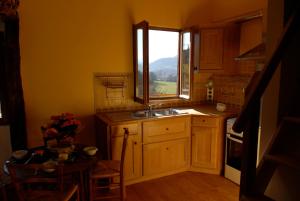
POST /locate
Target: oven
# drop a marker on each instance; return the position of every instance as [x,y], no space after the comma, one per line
[233,153]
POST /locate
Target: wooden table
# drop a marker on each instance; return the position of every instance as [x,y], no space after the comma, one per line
[78,164]
[81,167]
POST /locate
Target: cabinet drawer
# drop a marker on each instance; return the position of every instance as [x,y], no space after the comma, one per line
[119,129]
[166,129]
[205,121]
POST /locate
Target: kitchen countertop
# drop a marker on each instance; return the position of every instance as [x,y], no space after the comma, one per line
[203,110]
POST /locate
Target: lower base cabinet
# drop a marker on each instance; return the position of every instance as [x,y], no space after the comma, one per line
[207,144]
[133,156]
[164,157]
[204,153]
[165,146]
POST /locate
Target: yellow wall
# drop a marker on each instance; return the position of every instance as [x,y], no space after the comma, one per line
[63,43]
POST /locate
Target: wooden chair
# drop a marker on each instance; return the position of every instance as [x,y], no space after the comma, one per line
[107,177]
[35,182]
[3,195]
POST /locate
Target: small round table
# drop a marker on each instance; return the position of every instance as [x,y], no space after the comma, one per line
[78,164]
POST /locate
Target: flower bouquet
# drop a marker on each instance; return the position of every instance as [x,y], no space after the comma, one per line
[62,128]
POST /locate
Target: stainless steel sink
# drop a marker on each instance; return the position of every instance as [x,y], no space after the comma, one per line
[155,113]
[166,112]
[142,114]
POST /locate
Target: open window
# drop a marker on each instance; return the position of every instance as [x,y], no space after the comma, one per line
[162,63]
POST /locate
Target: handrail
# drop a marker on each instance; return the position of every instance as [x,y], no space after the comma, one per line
[259,87]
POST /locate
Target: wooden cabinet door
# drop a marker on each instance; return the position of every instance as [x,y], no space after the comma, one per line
[133,157]
[165,156]
[211,49]
[204,147]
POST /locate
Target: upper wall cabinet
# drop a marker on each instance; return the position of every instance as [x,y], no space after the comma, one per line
[211,49]
[218,48]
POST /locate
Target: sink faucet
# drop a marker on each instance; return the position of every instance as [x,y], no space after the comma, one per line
[149,108]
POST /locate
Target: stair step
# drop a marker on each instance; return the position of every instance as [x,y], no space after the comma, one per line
[290,161]
[256,198]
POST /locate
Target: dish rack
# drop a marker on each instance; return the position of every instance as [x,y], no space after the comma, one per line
[114,83]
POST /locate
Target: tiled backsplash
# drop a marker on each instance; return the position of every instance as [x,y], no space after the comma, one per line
[121,98]
[247,67]
[199,88]
[230,88]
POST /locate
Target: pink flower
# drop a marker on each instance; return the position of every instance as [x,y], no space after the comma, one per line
[51,132]
[61,126]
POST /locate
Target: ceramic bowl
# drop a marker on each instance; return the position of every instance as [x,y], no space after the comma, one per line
[90,150]
[63,156]
[221,107]
[49,166]
[19,154]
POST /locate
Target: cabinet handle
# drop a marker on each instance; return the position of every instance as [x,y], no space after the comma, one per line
[203,120]
[167,129]
[167,148]
[135,143]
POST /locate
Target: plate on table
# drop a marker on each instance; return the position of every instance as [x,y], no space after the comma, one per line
[19,154]
[49,166]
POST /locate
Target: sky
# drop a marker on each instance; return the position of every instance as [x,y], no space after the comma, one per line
[162,44]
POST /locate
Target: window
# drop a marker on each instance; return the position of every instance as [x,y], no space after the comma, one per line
[162,63]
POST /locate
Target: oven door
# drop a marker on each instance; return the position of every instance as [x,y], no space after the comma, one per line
[234,146]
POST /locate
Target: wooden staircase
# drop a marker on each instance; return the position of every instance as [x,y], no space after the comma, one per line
[283,150]
[284,147]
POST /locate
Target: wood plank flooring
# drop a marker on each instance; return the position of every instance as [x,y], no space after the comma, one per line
[186,186]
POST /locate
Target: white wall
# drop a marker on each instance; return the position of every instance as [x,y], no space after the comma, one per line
[5,145]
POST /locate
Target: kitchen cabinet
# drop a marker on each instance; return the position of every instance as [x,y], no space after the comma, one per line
[166,129]
[166,145]
[163,146]
[218,48]
[164,157]
[109,139]
[133,156]
[211,49]
[207,144]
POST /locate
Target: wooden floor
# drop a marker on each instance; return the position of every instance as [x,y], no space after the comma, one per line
[186,186]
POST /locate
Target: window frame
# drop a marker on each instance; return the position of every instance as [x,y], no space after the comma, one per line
[144,25]
[146,99]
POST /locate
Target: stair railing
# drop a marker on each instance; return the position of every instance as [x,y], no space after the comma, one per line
[248,120]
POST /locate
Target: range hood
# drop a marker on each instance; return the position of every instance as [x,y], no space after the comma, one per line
[257,53]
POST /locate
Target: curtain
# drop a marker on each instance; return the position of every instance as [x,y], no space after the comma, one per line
[13,92]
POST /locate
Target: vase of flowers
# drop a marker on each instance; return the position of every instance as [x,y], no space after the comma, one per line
[62,128]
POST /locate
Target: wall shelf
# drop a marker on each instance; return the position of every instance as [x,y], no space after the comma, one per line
[114,83]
